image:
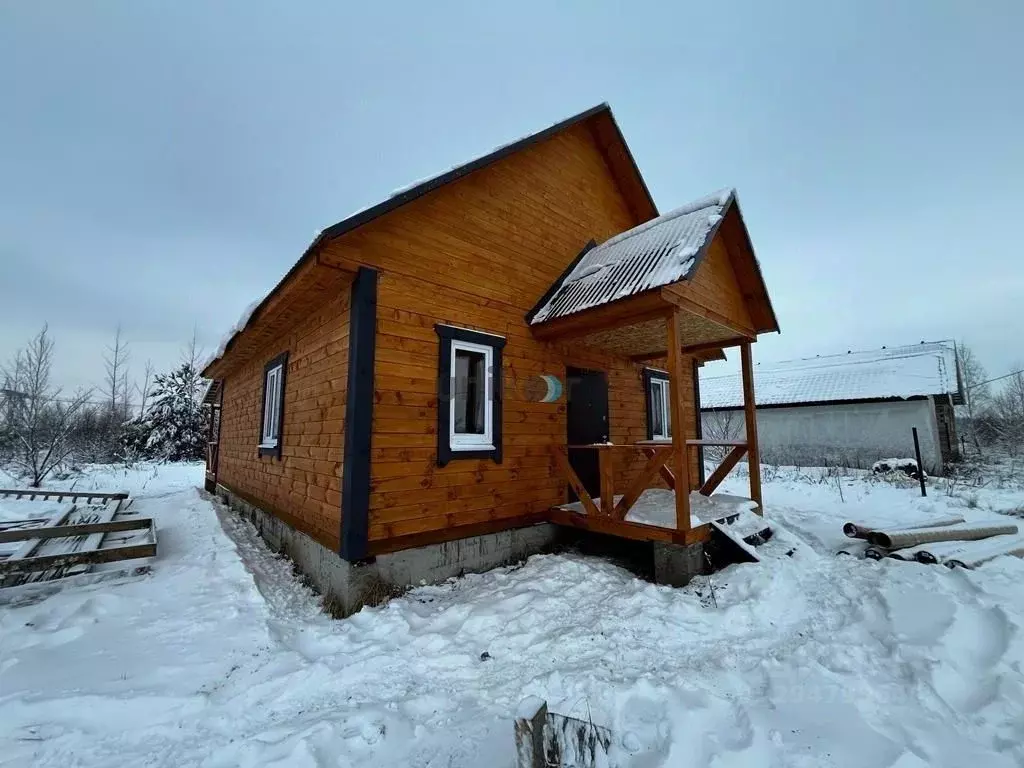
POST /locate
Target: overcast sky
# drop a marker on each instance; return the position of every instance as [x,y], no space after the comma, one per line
[163,164]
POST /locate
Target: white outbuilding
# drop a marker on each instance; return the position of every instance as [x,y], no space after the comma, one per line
[849,409]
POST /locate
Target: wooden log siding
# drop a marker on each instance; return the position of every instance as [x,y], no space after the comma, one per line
[303,488]
[409,493]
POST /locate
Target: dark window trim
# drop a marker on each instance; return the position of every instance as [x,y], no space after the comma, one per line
[651,374]
[355,474]
[447,334]
[275,452]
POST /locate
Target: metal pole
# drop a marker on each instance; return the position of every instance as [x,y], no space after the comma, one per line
[920,469]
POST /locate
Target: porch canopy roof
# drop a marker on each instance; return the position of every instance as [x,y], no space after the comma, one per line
[697,261]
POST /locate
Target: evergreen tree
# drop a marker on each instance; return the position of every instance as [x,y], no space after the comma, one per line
[173,428]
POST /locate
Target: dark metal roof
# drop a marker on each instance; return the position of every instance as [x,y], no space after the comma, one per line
[396,201]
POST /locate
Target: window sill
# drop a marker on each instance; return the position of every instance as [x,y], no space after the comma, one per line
[471,447]
[267,446]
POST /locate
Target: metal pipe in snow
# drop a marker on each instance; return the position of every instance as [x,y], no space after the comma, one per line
[899,539]
[863,530]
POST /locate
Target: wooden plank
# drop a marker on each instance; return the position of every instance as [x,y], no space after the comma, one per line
[45,494]
[750,415]
[723,469]
[726,443]
[664,471]
[30,545]
[636,309]
[710,346]
[642,481]
[626,529]
[93,540]
[64,560]
[606,471]
[562,461]
[61,531]
[677,393]
[677,294]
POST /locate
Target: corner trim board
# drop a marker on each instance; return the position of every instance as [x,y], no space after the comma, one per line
[355,476]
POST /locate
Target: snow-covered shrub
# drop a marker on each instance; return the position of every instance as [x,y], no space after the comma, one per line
[174,426]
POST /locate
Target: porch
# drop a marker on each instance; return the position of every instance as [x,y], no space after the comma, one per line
[645,513]
[689,320]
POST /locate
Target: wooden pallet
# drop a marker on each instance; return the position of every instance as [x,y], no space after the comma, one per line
[75,539]
[43,494]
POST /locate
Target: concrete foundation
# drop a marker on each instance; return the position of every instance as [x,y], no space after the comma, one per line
[348,587]
[676,564]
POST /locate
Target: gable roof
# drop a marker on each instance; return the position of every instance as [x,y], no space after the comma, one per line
[661,251]
[627,173]
[665,250]
[896,373]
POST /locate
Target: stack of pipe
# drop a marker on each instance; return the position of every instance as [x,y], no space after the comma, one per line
[909,537]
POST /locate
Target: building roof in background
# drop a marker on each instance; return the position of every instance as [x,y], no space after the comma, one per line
[659,252]
[893,373]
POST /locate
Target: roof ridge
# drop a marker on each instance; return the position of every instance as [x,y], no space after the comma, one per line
[830,355]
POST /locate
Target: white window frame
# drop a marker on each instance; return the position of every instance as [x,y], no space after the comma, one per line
[270,432]
[660,392]
[461,441]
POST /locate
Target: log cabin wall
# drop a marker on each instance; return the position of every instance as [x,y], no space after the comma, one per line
[303,487]
[478,253]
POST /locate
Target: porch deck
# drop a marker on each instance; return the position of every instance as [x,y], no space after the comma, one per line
[653,516]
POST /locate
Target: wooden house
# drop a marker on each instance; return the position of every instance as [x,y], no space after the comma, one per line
[465,358]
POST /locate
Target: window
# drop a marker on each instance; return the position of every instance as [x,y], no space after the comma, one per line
[469,402]
[659,417]
[470,405]
[272,415]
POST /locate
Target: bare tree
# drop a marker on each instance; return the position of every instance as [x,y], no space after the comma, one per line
[721,425]
[144,388]
[41,420]
[1008,412]
[116,382]
[977,396]
[116,409]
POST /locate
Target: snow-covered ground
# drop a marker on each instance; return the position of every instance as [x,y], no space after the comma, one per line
[220,657]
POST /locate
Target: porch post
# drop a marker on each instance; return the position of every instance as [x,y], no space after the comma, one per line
[680,462]
[750,412]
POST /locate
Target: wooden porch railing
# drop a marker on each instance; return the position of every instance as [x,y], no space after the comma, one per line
[656,459]
[211,457]
[659,456]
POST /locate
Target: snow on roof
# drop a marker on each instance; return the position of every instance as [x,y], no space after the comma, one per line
[656,253]
[928,368]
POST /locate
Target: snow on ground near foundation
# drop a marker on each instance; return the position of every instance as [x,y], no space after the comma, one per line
[220,657]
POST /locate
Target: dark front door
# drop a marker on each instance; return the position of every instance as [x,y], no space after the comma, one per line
[587,422]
